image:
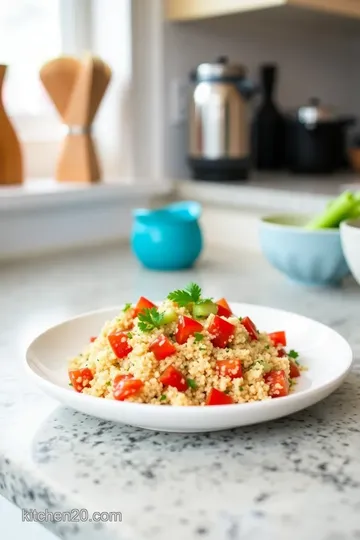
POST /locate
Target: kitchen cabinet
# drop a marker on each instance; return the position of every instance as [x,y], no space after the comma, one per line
[178,10]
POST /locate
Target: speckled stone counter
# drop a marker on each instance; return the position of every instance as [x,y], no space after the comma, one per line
[295,478]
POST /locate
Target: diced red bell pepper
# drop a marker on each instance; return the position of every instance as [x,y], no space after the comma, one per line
[294,370]
[119,378]
[119,344]
[142,304]
[80,378]
[250,328]
[278,383]
[221,331]
[278,338]
[186,327]
[126,388]
[92,339]
[281,353]
[162,347]
[229,368]
[215,397]
[223,308]
[174,377]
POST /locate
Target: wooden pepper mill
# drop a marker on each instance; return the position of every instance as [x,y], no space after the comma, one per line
[11,163]
[76,88]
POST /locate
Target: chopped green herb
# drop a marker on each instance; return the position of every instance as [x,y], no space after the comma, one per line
[129,335]
[293,354]
[191,383]
[184,297]
[198,337]
[241,388]
[163,397]
[98,359]
[70,384]
[202,348]
[127,306]
[150,319]
[297,363]
[267,347]
[227,391]
[240,319]
[108,383]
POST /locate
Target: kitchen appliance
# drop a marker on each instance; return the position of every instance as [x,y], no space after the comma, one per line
[219,129]
[268,130]
[316,139]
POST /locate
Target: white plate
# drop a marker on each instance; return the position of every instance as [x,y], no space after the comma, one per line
[326,354]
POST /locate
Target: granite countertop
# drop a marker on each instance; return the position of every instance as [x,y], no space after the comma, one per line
[295,478]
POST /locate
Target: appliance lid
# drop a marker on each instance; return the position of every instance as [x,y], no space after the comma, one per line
[221,70]
[314,113]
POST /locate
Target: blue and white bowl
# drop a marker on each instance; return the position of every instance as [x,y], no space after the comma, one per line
[308,257]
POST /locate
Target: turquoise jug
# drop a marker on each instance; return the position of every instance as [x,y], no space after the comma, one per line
[167,238]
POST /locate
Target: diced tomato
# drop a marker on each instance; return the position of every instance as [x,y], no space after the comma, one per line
[294,370]
[215,397]
[281,353]
[119,344]
[229,368]
[223,308]
[250,328]
[92,339]
[278,383]
[221,331]
[126,388]
[119,378]
[174,377]
[80,378]
[186,327]
[162,347]
[142,304]
[278,338]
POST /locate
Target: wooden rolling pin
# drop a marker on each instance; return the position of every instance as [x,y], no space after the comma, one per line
[76,88]
[11,163]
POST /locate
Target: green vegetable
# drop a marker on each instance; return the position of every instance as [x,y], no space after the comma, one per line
[127,306]
[108,383]
[337,211]
[184,297]
[70,384]
[191,383]
[163,397]
[204,308]
[129,335]
[240,319]
[241,388]
[149,319]
[169,316]
[293,354]
[198,337]
[266,366]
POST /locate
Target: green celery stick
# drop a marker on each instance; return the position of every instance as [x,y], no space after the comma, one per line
[335,213]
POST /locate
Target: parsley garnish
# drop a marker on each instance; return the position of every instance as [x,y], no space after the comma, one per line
[240,319]
[202,348]
[127,306]
[129,335]
[198,337]
[150,319]
[191,383]
[163,397]
[108,383]
[184,297]
[241,388]
[293,354]
[267,347]
[70,384]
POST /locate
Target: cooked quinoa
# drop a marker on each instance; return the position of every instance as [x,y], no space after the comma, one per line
[241,369]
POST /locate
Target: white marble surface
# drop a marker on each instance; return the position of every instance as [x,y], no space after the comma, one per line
[285,479]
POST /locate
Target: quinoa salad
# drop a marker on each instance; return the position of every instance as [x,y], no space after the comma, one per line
[188,350]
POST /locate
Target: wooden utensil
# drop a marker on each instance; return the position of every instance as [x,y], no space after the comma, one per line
[77,88]
[11,163]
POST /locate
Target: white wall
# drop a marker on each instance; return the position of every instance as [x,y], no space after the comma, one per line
[318,56]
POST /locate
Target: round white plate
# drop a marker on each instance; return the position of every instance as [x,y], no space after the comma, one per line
[325,353]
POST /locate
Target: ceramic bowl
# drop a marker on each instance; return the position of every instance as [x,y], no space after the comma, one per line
[350,239]
[308,257]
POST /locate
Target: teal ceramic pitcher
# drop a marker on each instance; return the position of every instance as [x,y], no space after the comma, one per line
[167,238]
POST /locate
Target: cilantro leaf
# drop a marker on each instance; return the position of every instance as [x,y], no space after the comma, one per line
[129,335]
[149,319]
[70,384]
[191,383]
[183,297]
[293,354]
[127,307]
[198,336]
[163,397]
